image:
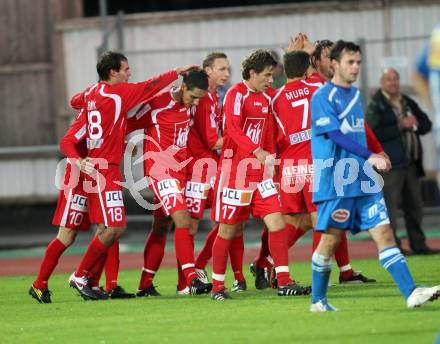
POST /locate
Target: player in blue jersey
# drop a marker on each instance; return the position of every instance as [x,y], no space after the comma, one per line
[347,190]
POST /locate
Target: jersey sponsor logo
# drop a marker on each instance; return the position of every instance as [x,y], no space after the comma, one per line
[92,144]
[323,121]
[197,190]
[181,131]
[353,125]
[80,133]
[79,203]
[258,104]
[237,104]
[340,215]
[294,175]
[114,199]
[236,197]
[267,188]
[301,136]
[253,128]
[297,93]
[168,186]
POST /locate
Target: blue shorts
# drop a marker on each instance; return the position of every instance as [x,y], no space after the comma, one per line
[355,214]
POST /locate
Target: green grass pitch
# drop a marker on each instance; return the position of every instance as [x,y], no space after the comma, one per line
[374,313]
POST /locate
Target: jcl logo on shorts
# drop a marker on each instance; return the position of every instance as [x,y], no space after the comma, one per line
[197,190]
[79,203]
[168,186]
[114,199]
[236,197]
[267,188]
[340,215]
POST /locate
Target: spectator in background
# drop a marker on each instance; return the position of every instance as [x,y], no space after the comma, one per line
[398,122]
[279,77]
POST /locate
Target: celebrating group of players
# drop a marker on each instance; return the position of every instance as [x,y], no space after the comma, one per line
[269,141]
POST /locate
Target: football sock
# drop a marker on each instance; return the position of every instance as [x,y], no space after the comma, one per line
[153,254]
[206,253]
[94,252]
[236,252]
[181,280]
[53,253]
[220,251]
[394,262]
[96,271]
[184,246]
[112,267]
[293,234]
[321,269]
[279,253]
[261,260]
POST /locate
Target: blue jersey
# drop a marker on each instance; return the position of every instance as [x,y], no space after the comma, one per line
[337,172]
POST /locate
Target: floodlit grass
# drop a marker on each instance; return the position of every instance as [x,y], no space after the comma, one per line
[374,313]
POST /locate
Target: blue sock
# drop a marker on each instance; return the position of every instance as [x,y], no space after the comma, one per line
[394,262]
[321,269]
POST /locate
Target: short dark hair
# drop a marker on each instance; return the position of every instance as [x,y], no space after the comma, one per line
[296,63]
[211,57]
[108,61]
[319,47]
[341,46]
[258,60]
[196,79]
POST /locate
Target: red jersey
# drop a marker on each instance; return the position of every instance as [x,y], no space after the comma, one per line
[291,108]
[167,124]
[107,106]
[248,125]
[204,132]
[73,143]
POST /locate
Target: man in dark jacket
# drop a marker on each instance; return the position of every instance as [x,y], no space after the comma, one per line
[398,122]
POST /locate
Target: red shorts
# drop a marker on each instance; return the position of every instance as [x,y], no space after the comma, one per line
[106,205]
[199,196]
[169,192]
[72,207]
[296,191]
[232,206]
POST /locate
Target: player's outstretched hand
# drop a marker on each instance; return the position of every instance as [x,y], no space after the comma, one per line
[85,165]
[188,68]
[380,162]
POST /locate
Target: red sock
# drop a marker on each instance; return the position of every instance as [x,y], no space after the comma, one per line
[279,252]
[96,271]
[95,251]
[206,253]
[184,246]
[220,251]
[112,267]
[293,234]
[53,252]
[316,240]
[261,260]
[153,254]
[236,252]
[342,258]
[181,280]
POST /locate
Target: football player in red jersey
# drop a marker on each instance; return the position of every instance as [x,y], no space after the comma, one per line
[204,143]
[166,120]
[240,190]
[106,104]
